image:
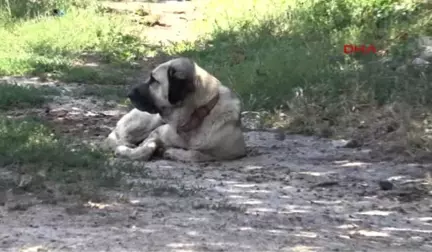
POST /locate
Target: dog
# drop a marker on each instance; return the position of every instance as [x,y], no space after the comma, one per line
[182,111]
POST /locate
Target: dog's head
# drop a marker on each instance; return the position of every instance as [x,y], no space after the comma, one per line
[167,86]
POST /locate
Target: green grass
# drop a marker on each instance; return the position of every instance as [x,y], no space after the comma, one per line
[31,147]
[30,141]
[84,45]
[268,51]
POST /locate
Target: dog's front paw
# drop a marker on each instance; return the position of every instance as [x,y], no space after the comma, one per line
[179,155]
[122,151]
[169,154]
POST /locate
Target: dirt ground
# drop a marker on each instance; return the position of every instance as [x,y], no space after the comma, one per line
[291,193]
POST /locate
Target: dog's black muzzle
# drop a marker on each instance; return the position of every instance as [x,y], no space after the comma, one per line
[141,99]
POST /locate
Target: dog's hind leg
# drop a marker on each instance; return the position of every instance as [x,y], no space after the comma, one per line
[178,154]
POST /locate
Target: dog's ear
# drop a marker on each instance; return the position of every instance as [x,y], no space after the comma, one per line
[181,77]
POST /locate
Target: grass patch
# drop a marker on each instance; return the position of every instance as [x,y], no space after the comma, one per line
[21,97]
[30,147]
[84,45]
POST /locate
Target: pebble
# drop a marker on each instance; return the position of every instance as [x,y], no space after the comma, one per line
[386,185]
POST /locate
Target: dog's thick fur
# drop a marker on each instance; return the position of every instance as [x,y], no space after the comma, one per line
[184,111]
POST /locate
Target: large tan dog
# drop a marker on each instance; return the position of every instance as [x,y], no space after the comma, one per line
[184,111]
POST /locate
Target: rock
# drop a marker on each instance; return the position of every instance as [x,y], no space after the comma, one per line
[77,209]
[426,54]
[252,120]
[353,144]
[25,181]
[424,41]
[386,185]
[417,239]
[19,206]
[424,45]
[339,143]
[401,69]
[279,135]
[420,62]
[3,197]
[34,249]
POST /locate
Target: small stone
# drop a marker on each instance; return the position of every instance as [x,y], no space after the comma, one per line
[417,239]
[76,210]
[353,144]
[25,180]
[401,69]
[339,143]
[34,249]
[19,206]
[426,53]
[280,135]
[386,185]
[420,62]
[3,197]
[133,215]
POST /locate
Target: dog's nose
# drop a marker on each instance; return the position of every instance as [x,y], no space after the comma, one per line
[132,93]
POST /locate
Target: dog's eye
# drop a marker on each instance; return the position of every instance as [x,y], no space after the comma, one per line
[153,80]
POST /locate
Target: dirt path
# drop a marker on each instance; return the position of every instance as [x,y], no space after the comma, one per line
[171,21]
[292,193]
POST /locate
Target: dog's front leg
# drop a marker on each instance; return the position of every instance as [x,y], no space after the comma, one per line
[164,136]
[143,152]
